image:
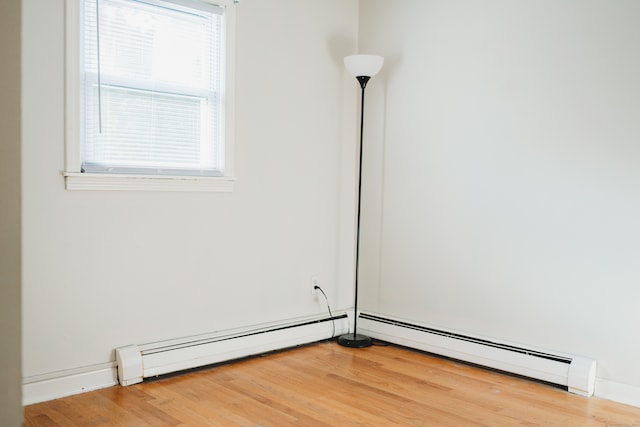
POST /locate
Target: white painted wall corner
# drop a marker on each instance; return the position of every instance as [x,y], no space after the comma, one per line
[618,392]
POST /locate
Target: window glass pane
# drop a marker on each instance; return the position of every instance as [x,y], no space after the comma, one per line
[151,87]
[149,130]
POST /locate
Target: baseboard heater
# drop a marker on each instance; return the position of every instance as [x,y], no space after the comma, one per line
[136,362]
[576,373]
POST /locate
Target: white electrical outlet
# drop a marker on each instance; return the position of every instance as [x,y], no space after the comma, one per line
[315,281]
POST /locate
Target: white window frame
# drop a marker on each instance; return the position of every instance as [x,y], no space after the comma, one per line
[77,180]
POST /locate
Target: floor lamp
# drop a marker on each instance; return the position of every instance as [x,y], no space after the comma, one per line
[363,67]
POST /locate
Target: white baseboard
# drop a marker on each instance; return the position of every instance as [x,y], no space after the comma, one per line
[414,338]
[575,372]
[219,347]
[55,385]
[618,392]
[143,361]
[45,387]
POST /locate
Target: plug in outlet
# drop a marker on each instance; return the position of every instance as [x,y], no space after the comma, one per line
[315,281]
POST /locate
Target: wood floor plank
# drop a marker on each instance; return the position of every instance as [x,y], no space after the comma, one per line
[328,385]
[420,394]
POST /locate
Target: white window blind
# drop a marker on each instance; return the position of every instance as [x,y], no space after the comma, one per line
[152,87]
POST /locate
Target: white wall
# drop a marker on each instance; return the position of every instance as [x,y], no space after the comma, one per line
[10,221]
[107,269]
[507,200]
[501,185]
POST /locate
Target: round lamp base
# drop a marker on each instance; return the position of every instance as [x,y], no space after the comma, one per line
[354,340]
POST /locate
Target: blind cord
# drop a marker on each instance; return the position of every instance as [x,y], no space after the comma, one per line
[99,71]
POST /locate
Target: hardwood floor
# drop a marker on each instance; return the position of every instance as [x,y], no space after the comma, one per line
[328,385]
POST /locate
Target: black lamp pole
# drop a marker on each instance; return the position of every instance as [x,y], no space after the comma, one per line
[354,339]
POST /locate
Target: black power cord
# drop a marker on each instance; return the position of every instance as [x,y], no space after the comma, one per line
[333,321]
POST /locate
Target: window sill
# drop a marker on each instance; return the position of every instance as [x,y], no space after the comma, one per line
[121,182]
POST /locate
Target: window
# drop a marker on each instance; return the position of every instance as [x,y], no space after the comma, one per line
[148,95]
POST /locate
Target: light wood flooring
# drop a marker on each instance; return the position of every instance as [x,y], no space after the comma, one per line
[328,385]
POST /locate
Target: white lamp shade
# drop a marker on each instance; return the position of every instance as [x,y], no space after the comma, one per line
[363,65]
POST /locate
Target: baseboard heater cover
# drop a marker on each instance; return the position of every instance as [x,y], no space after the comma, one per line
[136,362]
[577,373]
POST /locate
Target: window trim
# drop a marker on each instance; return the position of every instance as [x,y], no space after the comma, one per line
[76,180]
